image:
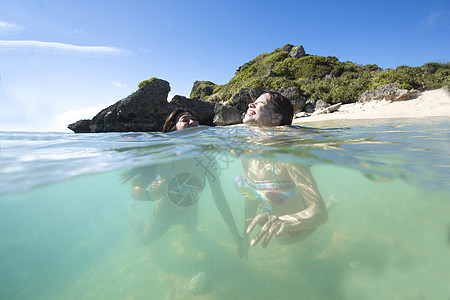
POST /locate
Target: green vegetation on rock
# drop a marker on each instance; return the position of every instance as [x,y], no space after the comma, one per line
[143,83]
[203,89]
[325,78]
[319,77]
[427,77]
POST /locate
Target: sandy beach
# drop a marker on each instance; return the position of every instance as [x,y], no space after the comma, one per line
[434,103]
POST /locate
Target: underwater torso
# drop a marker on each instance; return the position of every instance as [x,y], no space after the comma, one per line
[272,190]
[186,180]
[269,183]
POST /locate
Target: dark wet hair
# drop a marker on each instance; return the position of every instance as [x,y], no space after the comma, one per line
[282,106]
[171,121]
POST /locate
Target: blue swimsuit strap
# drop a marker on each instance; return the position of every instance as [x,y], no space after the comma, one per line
[269,185]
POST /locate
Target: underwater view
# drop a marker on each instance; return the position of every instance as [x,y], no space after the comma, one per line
[71,227]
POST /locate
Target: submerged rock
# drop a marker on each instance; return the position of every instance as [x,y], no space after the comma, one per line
[198,283]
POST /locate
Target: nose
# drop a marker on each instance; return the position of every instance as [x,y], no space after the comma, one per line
[252,105]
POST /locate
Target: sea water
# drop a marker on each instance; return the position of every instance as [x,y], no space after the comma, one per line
[66,229]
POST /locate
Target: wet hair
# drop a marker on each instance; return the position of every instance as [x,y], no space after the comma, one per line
[283,106]
[171,122]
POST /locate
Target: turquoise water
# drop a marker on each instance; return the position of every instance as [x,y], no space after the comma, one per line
[66,231]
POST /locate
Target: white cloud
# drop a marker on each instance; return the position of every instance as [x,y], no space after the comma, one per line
[59,48]
[5,26]
[61,121]
[118,84]
[436,18]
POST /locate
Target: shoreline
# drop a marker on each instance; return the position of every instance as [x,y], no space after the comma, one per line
[433,103]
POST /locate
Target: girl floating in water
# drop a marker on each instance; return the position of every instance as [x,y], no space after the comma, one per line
[286,192]
[178,190]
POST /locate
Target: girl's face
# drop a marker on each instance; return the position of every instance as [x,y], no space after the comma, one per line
[186,120]
[261,112]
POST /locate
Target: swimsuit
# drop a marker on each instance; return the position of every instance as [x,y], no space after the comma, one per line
[184,189]
[267,192]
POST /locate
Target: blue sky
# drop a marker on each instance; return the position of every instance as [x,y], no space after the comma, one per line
[61,61]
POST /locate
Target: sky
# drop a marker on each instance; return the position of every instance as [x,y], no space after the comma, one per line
[61,61]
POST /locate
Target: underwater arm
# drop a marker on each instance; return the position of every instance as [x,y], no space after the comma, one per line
[224,208]
[141,182]
[315,213]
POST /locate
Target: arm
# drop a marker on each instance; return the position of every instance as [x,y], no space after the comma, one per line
[315,213]
[141,182]
[223,207]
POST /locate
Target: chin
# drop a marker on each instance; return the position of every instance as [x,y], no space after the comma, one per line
[248,121]
[251,122]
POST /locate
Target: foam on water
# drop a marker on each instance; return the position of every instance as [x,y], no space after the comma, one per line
[66,229]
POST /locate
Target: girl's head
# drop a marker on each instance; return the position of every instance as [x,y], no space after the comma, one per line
[179,119]
[270,109]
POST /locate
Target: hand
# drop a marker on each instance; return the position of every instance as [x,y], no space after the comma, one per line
[158,189]
[158,185]
[271,225]
[140,193]
[243,247]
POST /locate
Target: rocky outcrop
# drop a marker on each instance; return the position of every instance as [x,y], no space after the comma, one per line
[391,91]
[328,109]
[202,89]
[320,105]
[244,97]
[226,115]
[294,95]
[144,111]
[81,126]
[297,52]
[317,107]
[310,106]
[203,111]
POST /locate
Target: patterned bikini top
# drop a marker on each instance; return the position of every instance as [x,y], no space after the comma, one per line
[267,192]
